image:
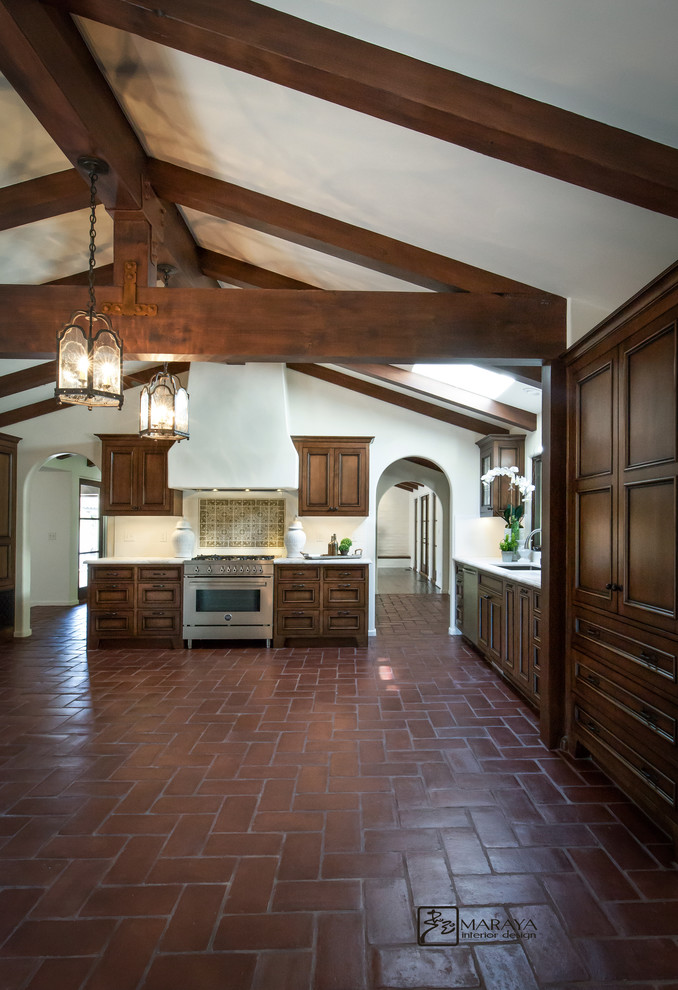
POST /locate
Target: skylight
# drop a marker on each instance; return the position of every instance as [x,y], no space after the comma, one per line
[467,376]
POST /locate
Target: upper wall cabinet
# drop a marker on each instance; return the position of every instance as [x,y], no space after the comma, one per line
[504,450]
[134,477]
[333,475]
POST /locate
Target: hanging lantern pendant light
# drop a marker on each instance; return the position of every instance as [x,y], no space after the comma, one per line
[164,408]
[89,351]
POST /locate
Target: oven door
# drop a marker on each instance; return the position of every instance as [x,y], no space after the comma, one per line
[228,602]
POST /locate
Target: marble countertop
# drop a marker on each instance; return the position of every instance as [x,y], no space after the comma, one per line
[340,559]
[137,560]
[493,566]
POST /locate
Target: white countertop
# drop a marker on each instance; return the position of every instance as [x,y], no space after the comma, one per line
[493,566]
[339,559]
[137,560]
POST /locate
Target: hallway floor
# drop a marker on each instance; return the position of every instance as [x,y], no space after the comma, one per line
[252,819]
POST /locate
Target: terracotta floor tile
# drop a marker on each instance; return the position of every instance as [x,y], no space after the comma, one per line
[254,819]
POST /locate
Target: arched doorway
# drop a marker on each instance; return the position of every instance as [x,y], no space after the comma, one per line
[65,527]
[413,547]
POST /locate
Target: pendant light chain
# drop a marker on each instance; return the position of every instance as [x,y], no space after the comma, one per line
[92,240]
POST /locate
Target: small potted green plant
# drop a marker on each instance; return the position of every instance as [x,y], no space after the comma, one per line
[508,547]
[345,546]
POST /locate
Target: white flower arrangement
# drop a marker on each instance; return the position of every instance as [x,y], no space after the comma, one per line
[517,483]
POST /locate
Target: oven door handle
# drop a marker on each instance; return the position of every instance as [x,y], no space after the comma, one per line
[219,582]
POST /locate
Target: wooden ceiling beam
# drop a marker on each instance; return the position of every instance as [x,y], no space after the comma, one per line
[33,377]
[243,275]
[316,325]
[313,230]
[486,119]
[362,387]
[471,401]
[47,62]
[41,198]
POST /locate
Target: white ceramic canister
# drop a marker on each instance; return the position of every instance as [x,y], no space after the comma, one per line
[183,539]
[295,538]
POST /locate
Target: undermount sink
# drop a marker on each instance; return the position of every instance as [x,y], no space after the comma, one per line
[519,567]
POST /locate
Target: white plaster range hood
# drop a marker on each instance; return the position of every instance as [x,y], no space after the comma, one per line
[239,437]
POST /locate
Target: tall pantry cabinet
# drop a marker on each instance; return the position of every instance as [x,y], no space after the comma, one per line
[622,612]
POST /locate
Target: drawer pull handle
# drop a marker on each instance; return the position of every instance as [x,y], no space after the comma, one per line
[298,573]
[115,586]
[649,658]
[592,679]
[157,613]
[158,585]
[343,586]
[592,727]
[343,612]
[648,716]
[650,776]
[298,613]
[593,633]
[298,585]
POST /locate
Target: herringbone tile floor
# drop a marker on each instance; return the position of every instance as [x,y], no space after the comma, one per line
[272,820]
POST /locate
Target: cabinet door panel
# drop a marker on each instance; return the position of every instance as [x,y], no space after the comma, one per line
[649,547]
[120,490]
[594,547]
[154,493]
[349,469]
[650,399]
[317,479]
[595,416]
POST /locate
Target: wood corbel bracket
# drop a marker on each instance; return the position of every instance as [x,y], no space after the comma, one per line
[129,305]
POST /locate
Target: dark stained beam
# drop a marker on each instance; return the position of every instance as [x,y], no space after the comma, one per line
[23,413]
[476,115]
[471,401]
[409,486]
[333,237]
[46,60]
[328,327]
[38,199]
[33,377]
[424,462]
[103,275]
[396,398]
[244,275]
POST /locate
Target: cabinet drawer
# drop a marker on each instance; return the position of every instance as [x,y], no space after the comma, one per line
[605,744]
[305,593]
[343,593]
[647,715]
[297,622]
[111,623]
[150,573]
[160,621]
[645,656]
[113,594]
[536,601]
[490,583]
[101,572]
[295,572]
[344,622]
[159,593]
[349,572]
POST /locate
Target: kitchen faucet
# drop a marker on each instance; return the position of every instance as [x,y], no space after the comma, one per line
[526,542]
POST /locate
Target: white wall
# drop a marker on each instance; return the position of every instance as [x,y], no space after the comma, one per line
[394,529]
[51,538]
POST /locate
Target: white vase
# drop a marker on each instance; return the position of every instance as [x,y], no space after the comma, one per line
[183,540]
[295,538]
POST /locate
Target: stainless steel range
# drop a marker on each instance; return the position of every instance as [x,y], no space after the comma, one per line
[228,597]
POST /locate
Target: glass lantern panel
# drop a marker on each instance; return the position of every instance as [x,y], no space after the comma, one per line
[181,411]
[143,409]
[73,359]
[162,408]
[106,364]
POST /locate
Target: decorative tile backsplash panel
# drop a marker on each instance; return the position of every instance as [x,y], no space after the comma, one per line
[242,522]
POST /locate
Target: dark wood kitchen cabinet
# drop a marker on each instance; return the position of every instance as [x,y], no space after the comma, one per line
[134,601]
[503,450]
[316,601]
[8,495]
[333,475]
[134,477]
[622,638]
